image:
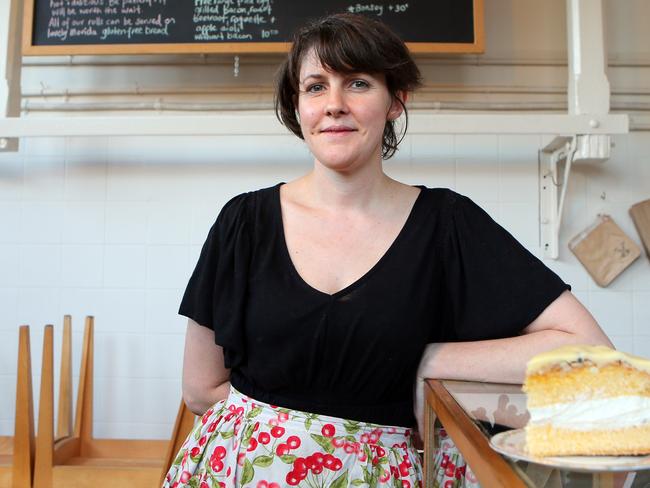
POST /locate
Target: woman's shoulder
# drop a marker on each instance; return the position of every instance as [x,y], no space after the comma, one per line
[443,200]
[244,205]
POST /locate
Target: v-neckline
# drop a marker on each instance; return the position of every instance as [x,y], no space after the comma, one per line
[365,276]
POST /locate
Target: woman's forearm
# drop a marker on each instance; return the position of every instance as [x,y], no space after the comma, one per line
[498,360]
[565,321]
[200,401]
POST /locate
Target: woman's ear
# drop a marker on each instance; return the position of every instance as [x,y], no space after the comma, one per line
[397,107]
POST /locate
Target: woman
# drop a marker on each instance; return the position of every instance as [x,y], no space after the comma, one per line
[317,304]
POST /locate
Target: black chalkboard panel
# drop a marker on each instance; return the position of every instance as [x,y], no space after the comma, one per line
[172,26]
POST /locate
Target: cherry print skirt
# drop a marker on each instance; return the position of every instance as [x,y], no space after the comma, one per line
[243,442]
[451,469]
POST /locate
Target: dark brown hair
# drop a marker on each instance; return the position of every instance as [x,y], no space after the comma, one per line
[348,43]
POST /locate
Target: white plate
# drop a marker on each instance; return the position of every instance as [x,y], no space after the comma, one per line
[512,444]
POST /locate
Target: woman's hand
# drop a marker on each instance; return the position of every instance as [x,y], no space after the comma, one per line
[205,379]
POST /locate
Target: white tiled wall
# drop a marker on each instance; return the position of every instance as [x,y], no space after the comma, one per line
[113,226]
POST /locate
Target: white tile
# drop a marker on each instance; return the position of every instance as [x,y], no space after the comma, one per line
[126,222]
[86,147]
[83,223]
[167,266]
[83,265]
[164,356]
[10,222]
[132,430]
[40,265]
[44,146]
[476,147]
[136,400]
[10,265]
[119,355]
[38,307]
[128,181]
[616,180]
[41,222]
[478,178]
[43,178]
[641,302]
[642,346]
[11,176]
[518,181]
[9,308]
[437,174]
[7,403]
[123,311]
[169,223]
[85,179]
[638,144]
[124,266]
[204,214]
[9,356]
[613,311]
[520,219]
[518,148]
[432,149]
[162,312]
[641,274]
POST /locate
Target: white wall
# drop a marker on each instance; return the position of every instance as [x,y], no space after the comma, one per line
[112,226]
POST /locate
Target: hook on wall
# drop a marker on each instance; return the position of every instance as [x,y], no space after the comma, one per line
[235,67]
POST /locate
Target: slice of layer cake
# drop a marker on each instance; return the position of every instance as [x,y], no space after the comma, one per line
[587,400]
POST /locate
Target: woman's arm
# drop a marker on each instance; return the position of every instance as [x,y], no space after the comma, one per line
[565,321]
[205,379]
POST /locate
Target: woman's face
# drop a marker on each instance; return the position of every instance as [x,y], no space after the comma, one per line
[342,116]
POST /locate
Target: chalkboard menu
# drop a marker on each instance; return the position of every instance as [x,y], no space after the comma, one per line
[235,26]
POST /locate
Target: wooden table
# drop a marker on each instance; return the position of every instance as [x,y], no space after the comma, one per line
[461,406]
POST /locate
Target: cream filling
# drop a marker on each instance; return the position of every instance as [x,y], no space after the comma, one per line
[606,413]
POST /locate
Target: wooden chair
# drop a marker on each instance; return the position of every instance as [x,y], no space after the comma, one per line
[78,459]
[182,427]
[17,453]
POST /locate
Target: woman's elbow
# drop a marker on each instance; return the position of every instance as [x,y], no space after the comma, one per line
[194,403]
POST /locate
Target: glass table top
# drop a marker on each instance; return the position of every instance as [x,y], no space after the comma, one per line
[498,408]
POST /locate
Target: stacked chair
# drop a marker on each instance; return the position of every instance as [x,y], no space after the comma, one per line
[17,453]
[73,458]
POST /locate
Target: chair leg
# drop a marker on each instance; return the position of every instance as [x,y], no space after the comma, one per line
[23,451]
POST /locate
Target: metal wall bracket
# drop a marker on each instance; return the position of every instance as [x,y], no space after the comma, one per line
[555,162]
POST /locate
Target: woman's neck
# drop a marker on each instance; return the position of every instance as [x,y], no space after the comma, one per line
[360,190]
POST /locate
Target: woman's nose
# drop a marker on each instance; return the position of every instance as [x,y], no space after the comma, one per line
[336,104]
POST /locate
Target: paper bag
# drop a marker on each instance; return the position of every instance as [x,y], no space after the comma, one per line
[604,250]
[640,213]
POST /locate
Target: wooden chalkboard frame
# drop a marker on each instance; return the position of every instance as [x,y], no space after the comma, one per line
[29,49]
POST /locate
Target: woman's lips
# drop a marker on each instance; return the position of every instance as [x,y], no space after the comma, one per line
[338,130]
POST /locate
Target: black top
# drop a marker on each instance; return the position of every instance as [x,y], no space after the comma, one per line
[452,274]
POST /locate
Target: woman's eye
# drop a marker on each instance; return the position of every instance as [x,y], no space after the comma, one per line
[315,88]
[359,84]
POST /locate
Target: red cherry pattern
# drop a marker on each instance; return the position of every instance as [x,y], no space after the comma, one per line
[269,445]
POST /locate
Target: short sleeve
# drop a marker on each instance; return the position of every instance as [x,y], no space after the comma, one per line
[215,294]
[494,286]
